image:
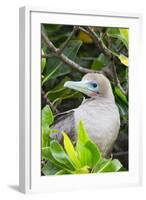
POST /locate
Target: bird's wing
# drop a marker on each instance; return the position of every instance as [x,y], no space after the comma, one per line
[64,122]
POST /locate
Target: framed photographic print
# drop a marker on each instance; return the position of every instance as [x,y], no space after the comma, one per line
[79,116]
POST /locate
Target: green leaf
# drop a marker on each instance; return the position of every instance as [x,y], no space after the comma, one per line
[59,155]
[82,134]
[125,34]
[120,33]
[101,165]
[108,165]
[55,67]
[43,62]
[47,120]
[47,155]
[63,171]
[88,152]
[111,166]
[124,60]
[95,152]
[59,90]
[70,150]
[121,95]
[83,170]
[47,116]
[50,169]
[100,62]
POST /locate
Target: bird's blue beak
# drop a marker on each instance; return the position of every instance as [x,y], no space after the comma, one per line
[86,87]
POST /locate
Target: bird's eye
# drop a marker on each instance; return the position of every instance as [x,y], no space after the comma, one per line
[94,85]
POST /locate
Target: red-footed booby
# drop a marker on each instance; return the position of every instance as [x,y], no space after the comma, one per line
[99,112]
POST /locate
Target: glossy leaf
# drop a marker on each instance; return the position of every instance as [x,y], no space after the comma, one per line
[124,60]
[121,95]
[70,150]
[88,152]
[118,33]
[47,116]
[50,169]
[100,62]
[60,155]
[47,120]
[108,165]
[125,34]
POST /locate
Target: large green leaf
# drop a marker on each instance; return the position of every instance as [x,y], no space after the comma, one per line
[55,67]
[121,95]
[88,152]
[47,155]
[100,62]
[47,116]
[120,33]
[125,34]
[47,120]
[70,150]
[50,169]
[60,155]
[107,165]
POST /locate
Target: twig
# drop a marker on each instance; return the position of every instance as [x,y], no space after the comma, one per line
[63,46]
[124,153]
[115,76]
[64,58]
[98,42]
[83,30]
[53,108]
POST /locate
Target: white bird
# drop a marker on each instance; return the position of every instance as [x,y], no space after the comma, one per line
[99,112]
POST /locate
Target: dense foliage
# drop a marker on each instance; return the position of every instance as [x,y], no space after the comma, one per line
[85,157]
[97,49]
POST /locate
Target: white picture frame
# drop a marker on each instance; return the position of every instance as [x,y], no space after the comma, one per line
[30,100]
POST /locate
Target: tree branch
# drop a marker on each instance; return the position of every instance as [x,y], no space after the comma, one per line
[64,58]
[124,153]
[63,46]
[98,42]
[53,108]
[58,53]
[115,76]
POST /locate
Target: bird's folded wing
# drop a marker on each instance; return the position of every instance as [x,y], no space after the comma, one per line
[64,122]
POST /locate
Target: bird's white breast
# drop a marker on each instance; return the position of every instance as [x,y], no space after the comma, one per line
[102,121]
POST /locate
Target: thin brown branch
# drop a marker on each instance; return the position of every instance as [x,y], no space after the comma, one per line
[64,58]
[63,46]
[47,100]
[98,42]
[124,153]
[115,76]
[83,30]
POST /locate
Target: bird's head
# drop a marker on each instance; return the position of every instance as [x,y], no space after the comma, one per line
[93,85]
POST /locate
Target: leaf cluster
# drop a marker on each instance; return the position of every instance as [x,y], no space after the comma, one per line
[84,157]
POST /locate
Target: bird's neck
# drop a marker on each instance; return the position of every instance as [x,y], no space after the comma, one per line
[108,96]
